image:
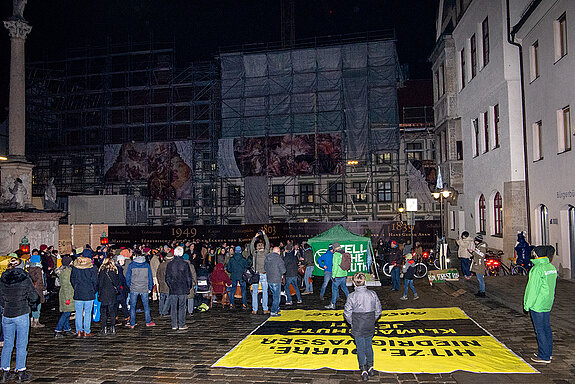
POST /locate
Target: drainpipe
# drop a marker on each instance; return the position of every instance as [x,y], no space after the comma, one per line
[511,40]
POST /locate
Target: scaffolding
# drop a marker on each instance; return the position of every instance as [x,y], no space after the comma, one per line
[100,97]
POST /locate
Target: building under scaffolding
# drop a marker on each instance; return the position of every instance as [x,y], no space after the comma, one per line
[307,133]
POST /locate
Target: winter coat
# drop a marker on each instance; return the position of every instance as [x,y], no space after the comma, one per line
[275,268]
[291,264]
[336,270]
[220,276]
[522,250]
[179,277]
[37,277]
[161,276]
[155,264]
[259,256]
[395,257]
[66,293]
[192,292]
[139,276]
[464,245]
[409,270]
[17,293]
[478,263]
[326,260]
[308,256]
[84,279]
[540,290]
[361,311]
[236,266]
[108,287]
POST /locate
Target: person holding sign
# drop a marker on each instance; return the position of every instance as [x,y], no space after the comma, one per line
[361,311]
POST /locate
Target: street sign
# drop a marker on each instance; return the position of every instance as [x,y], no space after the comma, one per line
[411,205]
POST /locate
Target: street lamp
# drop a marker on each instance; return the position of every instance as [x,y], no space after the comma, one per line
[440,195]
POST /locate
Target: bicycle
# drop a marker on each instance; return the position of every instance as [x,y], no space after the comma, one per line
[420,270]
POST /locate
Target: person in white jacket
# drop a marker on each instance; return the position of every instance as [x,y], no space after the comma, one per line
[465,244]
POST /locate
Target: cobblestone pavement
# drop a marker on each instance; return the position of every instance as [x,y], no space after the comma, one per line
[160,355]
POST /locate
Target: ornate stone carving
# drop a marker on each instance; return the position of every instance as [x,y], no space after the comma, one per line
[17,29]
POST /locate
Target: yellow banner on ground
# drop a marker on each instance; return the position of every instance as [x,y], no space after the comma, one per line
[422,340]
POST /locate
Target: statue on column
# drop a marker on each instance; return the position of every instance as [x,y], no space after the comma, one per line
[19,194]
[18,9]
[50,196]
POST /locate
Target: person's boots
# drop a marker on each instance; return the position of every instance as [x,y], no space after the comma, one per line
[370,370]
[113,330]
[6,376]
[32,322]
[23,376]
[104,331]
[364,374]
[38,325]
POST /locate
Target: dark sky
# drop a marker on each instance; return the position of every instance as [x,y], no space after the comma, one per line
[200,27]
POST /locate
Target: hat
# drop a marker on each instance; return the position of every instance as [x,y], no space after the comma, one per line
[409,256]
[336,245]
[478,238]
[12,254]
[125,252]
[179,251]
[43,247]
[146,249]
[186,256]
[393,244]
[330,247]
[15,263]
[238,249]
[169,256]
[544,251]
[66,260]
[35,259]
[79,250]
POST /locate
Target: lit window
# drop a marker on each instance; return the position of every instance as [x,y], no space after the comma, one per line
[278,194]
[306,193]
[534,60]
[414,151]
[383,158]
[485,36]
[360,195]
[481,214]
[498,214]
[537,147]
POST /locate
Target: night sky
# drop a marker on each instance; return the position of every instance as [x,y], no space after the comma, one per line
[200,27]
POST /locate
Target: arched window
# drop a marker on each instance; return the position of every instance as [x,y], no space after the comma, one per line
[482,214]
[498,214]
[544,223]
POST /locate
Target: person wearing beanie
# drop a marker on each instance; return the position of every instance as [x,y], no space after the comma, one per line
[478,263]
[140,281]
[236,267]
[84,279]
[180,281]
[37,276]
[163,290]
[538,300]
[65,298]
[408,275]
[17,295]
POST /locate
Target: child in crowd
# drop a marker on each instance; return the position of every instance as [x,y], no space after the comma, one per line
[362,310]
[408,274]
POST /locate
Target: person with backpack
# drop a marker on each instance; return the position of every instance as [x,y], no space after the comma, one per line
[325,262]
[408,275]
[108,290]
[339,276]
[179,280]
[236,267]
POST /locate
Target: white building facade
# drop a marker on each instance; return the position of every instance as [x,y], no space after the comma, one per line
[544,32]
[487,102]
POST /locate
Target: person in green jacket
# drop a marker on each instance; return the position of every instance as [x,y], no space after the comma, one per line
[538,300]
[65,298]
[338,276]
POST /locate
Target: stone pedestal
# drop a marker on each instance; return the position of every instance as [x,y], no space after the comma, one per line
[16,168]
[38,227]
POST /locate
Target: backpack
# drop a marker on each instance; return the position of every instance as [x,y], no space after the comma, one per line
[345,261]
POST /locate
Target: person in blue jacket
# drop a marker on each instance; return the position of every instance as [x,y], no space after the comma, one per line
[140,280]
[325,262]
[523,252]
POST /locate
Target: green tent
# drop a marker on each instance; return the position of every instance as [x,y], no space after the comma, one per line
[358,247]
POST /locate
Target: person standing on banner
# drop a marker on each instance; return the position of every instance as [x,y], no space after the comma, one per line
[478,263]
[258,254]
[309,265]
[465,244]
[339,276]
[395,260]
[84,279]
[275,269]
[362,309]
[538,300]
[325,262]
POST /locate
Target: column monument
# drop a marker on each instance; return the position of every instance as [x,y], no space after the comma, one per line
[18,217]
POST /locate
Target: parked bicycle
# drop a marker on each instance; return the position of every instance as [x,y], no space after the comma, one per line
[514,269]
[419,273]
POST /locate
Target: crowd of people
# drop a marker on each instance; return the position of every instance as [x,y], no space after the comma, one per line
[107,285]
